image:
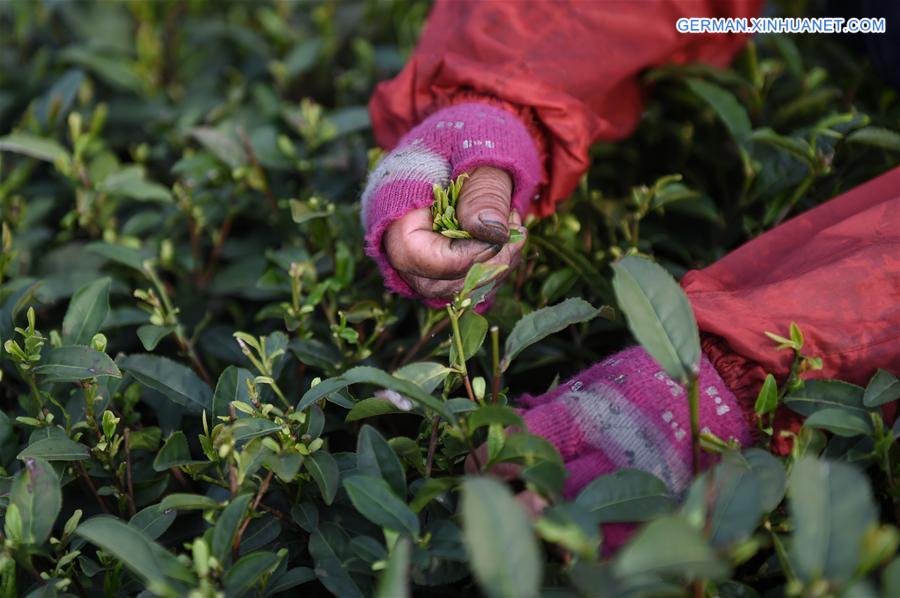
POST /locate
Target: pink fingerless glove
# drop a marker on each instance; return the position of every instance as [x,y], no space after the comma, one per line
[626,412]
[453,140]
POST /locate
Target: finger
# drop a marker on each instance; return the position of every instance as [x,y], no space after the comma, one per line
[483,208]
[412,247]
[534,504]
[510,255]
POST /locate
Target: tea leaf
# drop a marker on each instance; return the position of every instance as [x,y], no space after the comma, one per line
[831,505]
[541,323]
[502,549]
[175,381]
[669,546]
[87,311]
[74,363]
[373,498]
[659,316]
[627,495]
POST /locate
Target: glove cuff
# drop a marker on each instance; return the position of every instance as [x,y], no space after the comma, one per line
[626,412]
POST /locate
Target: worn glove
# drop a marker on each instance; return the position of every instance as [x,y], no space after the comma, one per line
[626,412]
[456,139]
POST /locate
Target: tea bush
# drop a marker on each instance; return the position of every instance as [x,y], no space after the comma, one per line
[206,390]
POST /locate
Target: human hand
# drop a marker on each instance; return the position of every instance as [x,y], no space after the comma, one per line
[495,149]
[435,266]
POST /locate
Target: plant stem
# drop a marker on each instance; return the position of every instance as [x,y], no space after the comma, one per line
[263,488]
[461,356]
[495,352]
[131,506]
[432,445]
[87,480]
[694,404]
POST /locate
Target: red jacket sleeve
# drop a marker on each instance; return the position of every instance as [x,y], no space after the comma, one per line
[570,68]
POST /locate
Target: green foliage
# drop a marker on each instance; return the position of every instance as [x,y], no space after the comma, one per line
[206,390]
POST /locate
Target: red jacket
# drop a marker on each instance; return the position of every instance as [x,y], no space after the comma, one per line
[570,68]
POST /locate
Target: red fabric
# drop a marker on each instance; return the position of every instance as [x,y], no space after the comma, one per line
[569,67]
[834,270]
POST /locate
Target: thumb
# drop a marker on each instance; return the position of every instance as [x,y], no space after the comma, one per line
[484,201]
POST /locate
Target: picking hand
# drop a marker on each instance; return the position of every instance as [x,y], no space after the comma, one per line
[435,266]
[496,150]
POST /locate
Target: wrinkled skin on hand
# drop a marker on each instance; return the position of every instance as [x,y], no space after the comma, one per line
[435,266]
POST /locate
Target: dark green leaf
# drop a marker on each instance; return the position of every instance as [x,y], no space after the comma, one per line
[75,363]
[376,458]
[175,381]
[324,470]
[876,137]
[153,520]
[128,544]
[59,448]
[541,323]
[185,502]
[174,452]
[827,394]
[248,571]
[330,568]
[35,492]
[883,388]
[832,508]
[625,496]
[394,582]
[150,335]
[727,108]
[232,386]
[373,498]
[659,315]
[503,551]
[670,546]
[40,148]
[839,422]
[87,311]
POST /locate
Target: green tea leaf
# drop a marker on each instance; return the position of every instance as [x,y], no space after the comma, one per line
[75,363]
[186,502]
[36,494]
[669,546]
[375,500]
[827,394]
[59,448]
[832,508]
[174,453]
[150,335]
[541,323]
[126,543]
[839,422]
[175,381]
[394,582]
[659,316]
[726,106]
[153,520]
[87,311]
[248,570]
[330,569]
[883,388]
[502,549]
[878,137]
[472,328]
[324,470]
[376,458]
[39,148]
[627,495]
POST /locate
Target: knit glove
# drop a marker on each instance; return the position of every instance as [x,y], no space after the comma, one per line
[626,412]
[453,140]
